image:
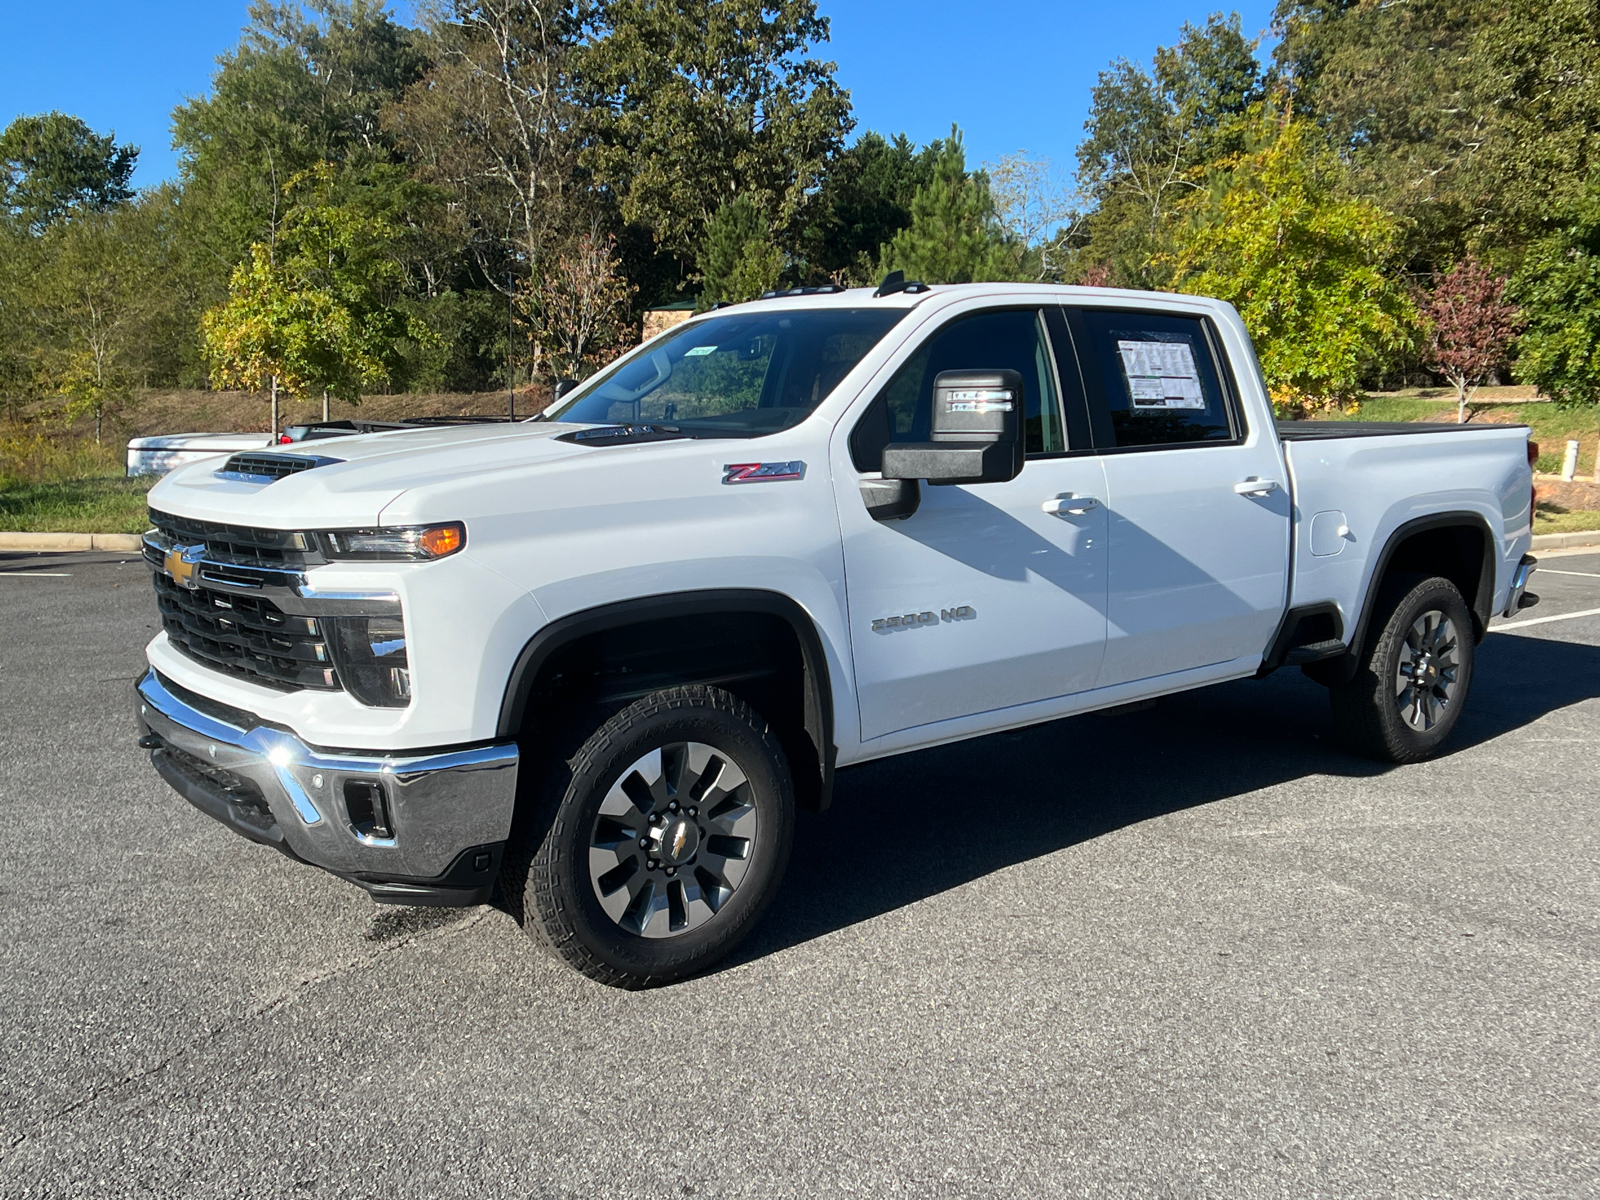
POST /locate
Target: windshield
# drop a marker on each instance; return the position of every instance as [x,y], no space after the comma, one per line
[735,376]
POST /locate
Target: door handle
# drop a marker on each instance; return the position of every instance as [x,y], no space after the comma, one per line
[1068,503]
[1256,487]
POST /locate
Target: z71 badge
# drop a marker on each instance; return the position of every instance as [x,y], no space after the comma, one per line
[912,620]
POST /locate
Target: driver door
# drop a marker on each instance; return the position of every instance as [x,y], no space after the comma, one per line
[981,600]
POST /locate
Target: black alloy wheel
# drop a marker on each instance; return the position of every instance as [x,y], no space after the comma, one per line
[1413,679]
[662,841]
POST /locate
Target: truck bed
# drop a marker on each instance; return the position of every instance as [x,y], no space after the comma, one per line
[1312,431]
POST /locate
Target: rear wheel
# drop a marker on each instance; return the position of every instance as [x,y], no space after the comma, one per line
[663,839]
[1408,692]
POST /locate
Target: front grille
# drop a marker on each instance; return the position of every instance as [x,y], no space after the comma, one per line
[246,636]
[274,549]
[270,468]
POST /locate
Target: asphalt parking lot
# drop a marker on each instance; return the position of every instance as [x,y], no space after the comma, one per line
[1194,951]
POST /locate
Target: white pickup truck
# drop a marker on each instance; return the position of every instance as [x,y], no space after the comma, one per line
[587,665]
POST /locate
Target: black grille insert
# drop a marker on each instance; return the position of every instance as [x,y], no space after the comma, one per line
[246,636]
[273,549]
[249,806]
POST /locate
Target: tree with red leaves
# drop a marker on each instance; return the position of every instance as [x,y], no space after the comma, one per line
[1471,327]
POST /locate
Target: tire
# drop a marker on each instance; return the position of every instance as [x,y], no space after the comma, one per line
[658,843]
[1421,625]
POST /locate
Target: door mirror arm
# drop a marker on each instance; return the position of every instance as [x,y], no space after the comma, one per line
[891,499]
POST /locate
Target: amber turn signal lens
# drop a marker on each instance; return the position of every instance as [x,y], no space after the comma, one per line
[438,540]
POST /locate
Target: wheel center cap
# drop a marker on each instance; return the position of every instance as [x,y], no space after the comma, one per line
[677,841]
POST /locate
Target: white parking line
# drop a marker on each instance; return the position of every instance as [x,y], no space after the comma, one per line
[1588,612]
[1553,571]
[35,574]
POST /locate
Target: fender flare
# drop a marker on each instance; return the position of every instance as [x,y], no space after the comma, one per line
[1482,604]
[817,683]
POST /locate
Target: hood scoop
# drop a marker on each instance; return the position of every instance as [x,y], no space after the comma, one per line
[621,435]
[269,468]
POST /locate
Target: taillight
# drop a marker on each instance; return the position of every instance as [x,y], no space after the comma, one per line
[285,440]
[1533,497]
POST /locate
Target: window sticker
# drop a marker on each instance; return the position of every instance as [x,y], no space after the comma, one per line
[1161,375]
[699,350]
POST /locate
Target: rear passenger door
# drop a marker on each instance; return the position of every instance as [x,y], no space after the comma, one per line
[1198,504]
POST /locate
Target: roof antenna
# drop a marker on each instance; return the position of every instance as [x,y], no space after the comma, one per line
[894,281]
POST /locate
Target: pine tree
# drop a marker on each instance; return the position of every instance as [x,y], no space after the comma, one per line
[953,236]
[737,258]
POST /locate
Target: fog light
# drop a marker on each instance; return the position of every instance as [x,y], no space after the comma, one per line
[371,653]
[368,807]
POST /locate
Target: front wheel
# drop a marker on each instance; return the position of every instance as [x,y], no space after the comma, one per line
[663,839]
[1408,692]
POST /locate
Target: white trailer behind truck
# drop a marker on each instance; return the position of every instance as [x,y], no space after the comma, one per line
[588,665]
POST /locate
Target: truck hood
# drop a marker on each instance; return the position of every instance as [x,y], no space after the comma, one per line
[358,476]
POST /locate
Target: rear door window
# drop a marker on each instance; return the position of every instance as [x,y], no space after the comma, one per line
[1152,380]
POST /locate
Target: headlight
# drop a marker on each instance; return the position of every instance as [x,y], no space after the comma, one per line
[399,543]
[371,656]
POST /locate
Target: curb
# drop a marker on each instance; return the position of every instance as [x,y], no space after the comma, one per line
[1557,541]
[48,542]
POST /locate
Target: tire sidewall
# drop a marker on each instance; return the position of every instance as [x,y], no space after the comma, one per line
[1429,595]
[622,741]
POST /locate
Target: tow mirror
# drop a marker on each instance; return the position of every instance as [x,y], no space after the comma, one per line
[563,386]
[976,434]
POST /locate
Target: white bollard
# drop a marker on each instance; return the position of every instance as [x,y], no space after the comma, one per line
[1569,464]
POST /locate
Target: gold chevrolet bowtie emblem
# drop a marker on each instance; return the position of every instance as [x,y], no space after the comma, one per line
[180,563]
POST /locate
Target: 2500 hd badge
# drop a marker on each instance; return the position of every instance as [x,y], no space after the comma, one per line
[910,620]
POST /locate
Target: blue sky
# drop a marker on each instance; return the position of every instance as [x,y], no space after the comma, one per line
[1015,74]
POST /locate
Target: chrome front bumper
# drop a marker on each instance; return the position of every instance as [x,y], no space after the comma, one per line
[449,813]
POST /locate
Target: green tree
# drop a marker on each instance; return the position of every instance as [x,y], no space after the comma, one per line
[18,272]
[1558,288]
[306,85]
[699,102]
[1150,135]
[54,165]
[737,258]
[1536,70]
[97,301]
[1399,92]
[865,199]
[1312,270]
[954,236]
[319,311]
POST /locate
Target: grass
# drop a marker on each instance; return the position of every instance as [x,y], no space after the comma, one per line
[107,504]
[1552,518]
[66,484]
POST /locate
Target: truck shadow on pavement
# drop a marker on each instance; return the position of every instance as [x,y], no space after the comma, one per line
[911,827]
